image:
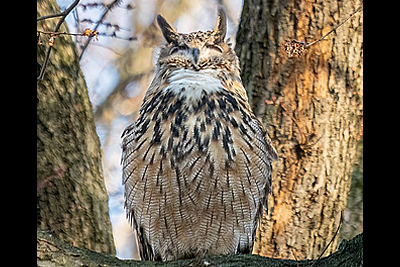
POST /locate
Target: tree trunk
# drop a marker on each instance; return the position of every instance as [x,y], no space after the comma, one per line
[71,194]
[312,108]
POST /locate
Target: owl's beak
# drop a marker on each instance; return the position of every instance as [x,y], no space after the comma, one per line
[195,53]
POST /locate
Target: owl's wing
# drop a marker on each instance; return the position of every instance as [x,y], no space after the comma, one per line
[238,89]
[130,147]
[271,151]
[271,155]
[254,158]
[258,148]
[150,175]
[139,152]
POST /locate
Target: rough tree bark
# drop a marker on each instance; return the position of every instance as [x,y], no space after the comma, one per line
[312,107]
[71,194]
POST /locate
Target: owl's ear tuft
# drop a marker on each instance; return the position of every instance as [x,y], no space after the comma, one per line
[168,32]
[220,28]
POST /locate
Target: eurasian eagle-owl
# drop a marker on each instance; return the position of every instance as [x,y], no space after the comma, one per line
[196,162]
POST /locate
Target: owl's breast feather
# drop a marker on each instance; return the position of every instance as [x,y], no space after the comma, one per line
[193,85]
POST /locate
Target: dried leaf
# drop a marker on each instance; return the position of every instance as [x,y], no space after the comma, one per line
[294,48]
[52,39]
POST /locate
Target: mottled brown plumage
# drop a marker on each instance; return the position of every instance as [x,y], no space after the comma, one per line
[197,162]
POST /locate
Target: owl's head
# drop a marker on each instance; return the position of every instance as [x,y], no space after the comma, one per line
[197,50]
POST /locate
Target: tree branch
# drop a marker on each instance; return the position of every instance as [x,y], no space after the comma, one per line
[53,252]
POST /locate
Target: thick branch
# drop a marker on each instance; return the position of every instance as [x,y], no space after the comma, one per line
[53,252]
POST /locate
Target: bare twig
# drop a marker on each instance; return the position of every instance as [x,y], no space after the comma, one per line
[333,238]
[87,32]
[50,16]
[108,8]
[334,29]
[295,48]
[48,51]
[62,14]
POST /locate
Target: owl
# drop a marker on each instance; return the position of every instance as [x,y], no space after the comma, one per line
[196,162]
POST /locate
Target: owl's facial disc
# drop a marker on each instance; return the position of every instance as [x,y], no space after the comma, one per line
[197,50]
